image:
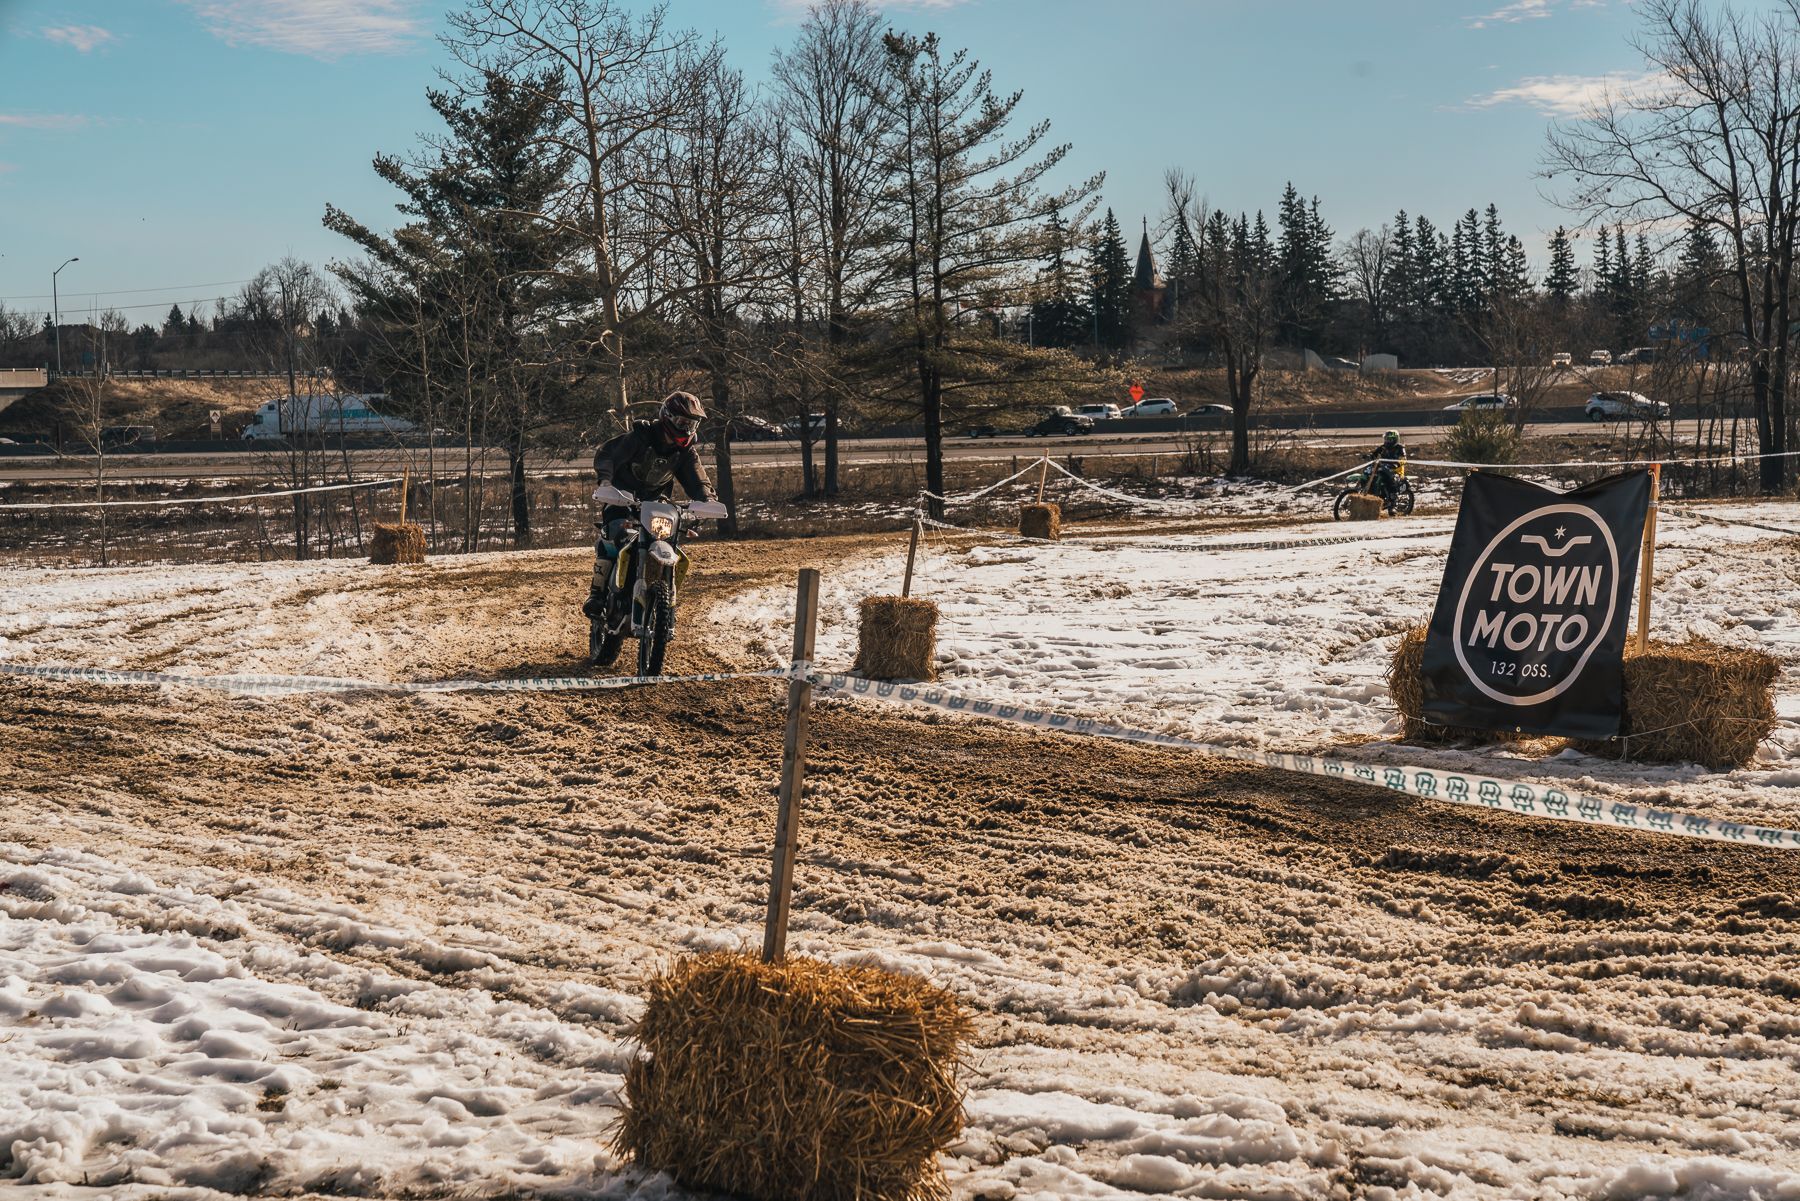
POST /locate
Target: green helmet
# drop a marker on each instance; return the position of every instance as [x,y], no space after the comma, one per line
[1391,436]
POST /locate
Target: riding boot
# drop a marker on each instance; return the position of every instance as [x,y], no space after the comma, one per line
[594,607]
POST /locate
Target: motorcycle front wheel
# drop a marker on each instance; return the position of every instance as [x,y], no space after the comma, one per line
[659,624]
[1342,506]
[1403,503]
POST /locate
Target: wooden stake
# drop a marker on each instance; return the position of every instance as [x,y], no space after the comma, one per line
[793,771]
[1043,471]
[405,489]
[912,552]
[1647,568]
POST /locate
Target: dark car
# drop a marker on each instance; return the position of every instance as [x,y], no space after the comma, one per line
[1061,423]
[755,429]
[983,431]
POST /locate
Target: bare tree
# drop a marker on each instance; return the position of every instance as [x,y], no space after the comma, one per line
[1716,141]
[84,415]
[1369,261]
[832,92]
[616,83]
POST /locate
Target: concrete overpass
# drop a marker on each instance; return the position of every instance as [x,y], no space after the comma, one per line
[15,382]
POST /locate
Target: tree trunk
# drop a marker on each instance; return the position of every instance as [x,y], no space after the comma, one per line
[521,497]
[1237,386]
[721,396]
[931,393]
[831,446]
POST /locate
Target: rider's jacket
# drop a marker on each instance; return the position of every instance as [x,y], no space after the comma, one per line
[1396,452]
[640,462]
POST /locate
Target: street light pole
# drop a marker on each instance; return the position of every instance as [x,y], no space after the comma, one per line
[56,313]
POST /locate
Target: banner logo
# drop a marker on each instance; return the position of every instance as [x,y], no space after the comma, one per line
[1541,599]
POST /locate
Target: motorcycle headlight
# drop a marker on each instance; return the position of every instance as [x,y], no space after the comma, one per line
[662,526]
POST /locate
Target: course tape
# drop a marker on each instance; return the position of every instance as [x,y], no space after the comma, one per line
[163,502]
[285,685]
[1461,788]
[1264,544]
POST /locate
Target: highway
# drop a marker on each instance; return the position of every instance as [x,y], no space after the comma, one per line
[149,466]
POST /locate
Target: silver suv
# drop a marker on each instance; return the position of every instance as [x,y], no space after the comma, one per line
[1625,406]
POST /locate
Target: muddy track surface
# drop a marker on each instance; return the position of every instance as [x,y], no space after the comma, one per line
[1410,983]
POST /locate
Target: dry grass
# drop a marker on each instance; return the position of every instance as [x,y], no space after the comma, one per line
[1406,685]
[897,639]
[402,543]
[1040,521]
[1694,702]
[1363,507]
[796,1081]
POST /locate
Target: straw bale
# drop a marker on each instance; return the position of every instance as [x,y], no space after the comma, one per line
[897,639]
[795,1081]
[401,543]
[1693,702]
[1040,521]
[1363,507]
[1406,685]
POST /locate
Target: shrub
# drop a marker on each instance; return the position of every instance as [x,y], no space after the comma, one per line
[1484,436]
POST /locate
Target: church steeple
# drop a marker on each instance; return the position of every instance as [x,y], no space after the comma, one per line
[1146,279]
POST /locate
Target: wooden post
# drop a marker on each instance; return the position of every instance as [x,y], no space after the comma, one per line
[1043,471]
[1647,567]
[793,771]
[405,490]
[912,553]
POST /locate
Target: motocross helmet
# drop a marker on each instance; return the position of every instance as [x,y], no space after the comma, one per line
[680,417]
[1391,437]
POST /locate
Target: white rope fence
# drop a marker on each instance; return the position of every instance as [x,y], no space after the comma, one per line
[165,502]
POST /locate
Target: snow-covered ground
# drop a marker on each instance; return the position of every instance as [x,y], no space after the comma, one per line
[1288,647]
[361,946]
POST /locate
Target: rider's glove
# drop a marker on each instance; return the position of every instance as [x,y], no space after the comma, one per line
[606,494]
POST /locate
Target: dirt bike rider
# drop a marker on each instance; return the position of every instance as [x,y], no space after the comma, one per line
[643,463]
[1387,459]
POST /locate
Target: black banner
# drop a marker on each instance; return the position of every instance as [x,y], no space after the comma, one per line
[1529,630]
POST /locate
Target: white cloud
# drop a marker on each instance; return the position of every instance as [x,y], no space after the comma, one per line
[56,121]
[81,37]
[1568,95]
[319,28]
[1526,10]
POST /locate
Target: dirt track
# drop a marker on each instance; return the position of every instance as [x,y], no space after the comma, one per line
[607,831]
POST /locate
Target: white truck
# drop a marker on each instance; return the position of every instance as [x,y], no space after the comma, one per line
[324,415]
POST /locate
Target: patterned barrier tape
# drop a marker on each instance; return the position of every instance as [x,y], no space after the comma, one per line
[1461,788]
[166,501]
[1691,515]
[1270,544]
[284,685]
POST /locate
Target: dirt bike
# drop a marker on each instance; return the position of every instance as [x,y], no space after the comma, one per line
[643,578]
[1400,499]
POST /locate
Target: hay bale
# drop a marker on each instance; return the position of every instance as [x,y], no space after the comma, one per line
[1406,685]
[1693,702]
[897,639]
[402,543]
[1041,521]
[795,1081]
[1363,507]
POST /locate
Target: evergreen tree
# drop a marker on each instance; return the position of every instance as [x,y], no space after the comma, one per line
[1110,295]
[1698,270]
[1494,265]
[1184,268]
[1307,276]
[1603,280]
[1060,317]
[1562,280]
[174,324]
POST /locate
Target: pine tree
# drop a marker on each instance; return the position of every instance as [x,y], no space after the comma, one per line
[1562,280]
[1493,257]
[1061,316]
[1603,281]
[1109,275]
[174,324]
[1697,271]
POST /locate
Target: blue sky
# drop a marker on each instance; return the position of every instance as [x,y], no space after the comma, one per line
[177,146]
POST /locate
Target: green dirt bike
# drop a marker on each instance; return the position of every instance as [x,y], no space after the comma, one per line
[1398,496]
[643,577]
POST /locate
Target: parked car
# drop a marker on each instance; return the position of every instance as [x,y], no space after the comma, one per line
[1481,400]
[1625,406]
[1562,358]
[1599,358]
[1070,424]
[791,427]
[746,428]
[1099,412]
[1160,406]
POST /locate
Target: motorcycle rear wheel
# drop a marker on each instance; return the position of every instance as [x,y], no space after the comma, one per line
[1403,503]
[659,624]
